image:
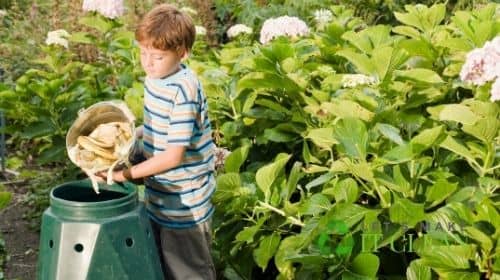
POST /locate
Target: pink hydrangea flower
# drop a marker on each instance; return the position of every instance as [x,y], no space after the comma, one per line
[473,68]
[282,26]
[108,8]
[482,65]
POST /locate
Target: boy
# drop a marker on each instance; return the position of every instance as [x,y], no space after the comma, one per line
[178,147]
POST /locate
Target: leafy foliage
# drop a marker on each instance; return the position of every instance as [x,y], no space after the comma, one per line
[385,159]
[326,179]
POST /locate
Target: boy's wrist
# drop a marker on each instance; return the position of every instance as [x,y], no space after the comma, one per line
[127,174]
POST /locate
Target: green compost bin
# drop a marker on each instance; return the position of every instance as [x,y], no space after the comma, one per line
[89,236]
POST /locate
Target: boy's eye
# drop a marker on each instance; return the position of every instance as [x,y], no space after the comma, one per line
[158,57]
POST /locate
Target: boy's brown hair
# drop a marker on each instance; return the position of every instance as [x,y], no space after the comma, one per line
[166,28]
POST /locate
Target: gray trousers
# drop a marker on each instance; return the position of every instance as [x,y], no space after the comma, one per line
[185,253]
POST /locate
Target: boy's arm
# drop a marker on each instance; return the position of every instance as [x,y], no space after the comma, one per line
[170,158]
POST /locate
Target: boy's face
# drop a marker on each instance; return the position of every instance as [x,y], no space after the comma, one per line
[158,63]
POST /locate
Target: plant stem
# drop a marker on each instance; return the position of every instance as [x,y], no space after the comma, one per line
[294,220]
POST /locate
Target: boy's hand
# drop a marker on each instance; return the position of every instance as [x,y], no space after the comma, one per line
[117,176]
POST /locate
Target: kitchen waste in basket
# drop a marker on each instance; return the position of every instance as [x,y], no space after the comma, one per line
[101,138]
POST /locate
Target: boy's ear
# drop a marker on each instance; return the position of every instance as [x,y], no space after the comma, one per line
[185,55]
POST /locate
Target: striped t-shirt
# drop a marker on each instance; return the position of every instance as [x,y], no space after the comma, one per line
[175,112]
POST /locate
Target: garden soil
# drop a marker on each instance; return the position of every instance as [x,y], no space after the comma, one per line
[21,241]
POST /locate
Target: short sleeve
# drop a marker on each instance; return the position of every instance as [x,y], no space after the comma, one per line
[182,120]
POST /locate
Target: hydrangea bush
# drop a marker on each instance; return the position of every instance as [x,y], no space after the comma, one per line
[357,151]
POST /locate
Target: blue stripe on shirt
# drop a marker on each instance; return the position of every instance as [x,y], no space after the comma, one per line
[158,96]
[187,224]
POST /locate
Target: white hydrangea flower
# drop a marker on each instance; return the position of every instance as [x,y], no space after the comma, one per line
[108,8]
[322,17]
[189,10]
[57,37]
[3,13]
[354,80]
[282,26]
[238,29]
[495,91]
[200,30]
[482,65]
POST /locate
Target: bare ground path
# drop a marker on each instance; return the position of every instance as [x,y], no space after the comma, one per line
[21,242]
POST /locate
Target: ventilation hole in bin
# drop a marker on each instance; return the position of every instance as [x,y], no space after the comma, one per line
[51,243]
[129,241]
[148,233]
[79,248]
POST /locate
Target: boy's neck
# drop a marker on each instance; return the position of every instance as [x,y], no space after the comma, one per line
[176,69]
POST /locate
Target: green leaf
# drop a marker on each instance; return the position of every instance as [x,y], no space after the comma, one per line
[55,153]
[5,198]
[316,204]
[322,137]
[306,154]
[481,237]
[321,180]
[459,275]
[343,108]
[363,64]
[407,31]
[261,80]
[435,15]
[448,256]
[369,39]
[365,264]
[399,154]
[420,75]
[38,129]
[293,181]
[266,250]
[406,212]
[391,132]
[276,135]
[346,191]
[426,139]
[247,234]
[353,137]
[236,158]
[418,271]
[263,113]
[453,145]
[453,112]
[289,246]
[82,37]
[382,60]
[96,22]
[227,187]
[362,169]
[439,191]
[488,124]
[409,19]
[350,214]
[418,47]
[266,175]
